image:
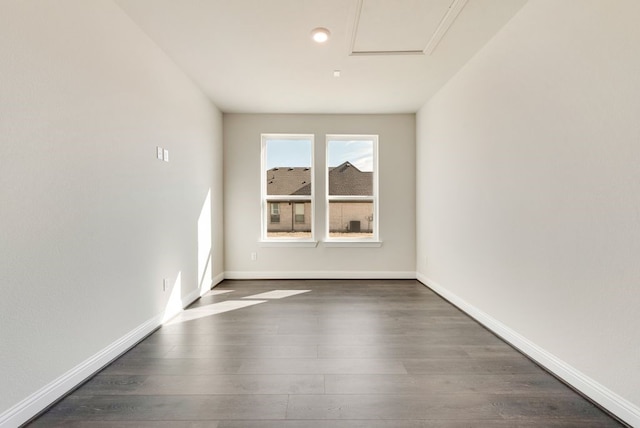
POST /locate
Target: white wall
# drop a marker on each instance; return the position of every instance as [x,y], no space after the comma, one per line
[528,189]
[396,257]
[90,221]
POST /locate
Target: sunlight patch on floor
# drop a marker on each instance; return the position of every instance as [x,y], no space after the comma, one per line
[217,292]
[212,309]
[276,294]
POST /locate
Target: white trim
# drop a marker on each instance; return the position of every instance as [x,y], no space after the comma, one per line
[614,403]
[447,21]
[355,198]
[58,388]
[356,23]
[204,290]
[45,396]
[217,280]
[352,244]
[193,296]
[287,243]
[320,274]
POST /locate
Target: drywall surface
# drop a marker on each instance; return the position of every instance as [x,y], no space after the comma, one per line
[90,221]
[242,196]
[528,185]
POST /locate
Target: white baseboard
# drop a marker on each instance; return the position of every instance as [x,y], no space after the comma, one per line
[44,397]
[192,297]
[320,275]
[217,279]
[50,393]
[617,405]
[41,399]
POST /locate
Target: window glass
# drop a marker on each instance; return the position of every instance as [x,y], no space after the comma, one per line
[351,219]
[288,188]
[299,212]
[275,212]
[352,187]
[350,168]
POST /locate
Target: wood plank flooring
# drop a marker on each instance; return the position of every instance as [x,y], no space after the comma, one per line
[375,354]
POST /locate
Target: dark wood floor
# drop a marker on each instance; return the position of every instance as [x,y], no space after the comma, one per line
[345,354]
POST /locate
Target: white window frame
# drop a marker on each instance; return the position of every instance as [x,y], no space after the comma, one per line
[297,242]
[374,241]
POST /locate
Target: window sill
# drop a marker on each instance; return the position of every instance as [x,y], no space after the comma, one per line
[288,243]
[353,244]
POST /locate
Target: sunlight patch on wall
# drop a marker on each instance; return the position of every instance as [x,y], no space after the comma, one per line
[174,304]
[204,246]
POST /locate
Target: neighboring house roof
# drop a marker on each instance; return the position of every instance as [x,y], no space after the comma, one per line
[344,179]
[347,180]
[289,181]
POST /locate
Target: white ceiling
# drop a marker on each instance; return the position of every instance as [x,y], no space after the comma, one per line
[257,56]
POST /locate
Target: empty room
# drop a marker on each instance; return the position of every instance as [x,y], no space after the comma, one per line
[319,213]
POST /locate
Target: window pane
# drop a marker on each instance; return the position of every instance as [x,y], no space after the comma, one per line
[293,220]
[288,164]
[275,212]
[299,212]
[350,165]
[351,219]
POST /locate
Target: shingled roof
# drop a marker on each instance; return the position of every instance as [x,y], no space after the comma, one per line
[289,181]
[347,180]
[344,179]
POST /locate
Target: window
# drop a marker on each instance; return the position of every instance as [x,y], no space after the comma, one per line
[275,212]
[352,187]
[299,212]
[287,188]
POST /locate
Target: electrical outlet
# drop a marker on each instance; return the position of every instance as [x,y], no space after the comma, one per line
[165,284]
[159,152]
[254,256]
[166,155]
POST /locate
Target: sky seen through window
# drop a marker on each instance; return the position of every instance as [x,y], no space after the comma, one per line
[297,153]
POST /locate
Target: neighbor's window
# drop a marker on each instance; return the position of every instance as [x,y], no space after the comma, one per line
[275,212]
[352,187]
[287,190]
[299,212]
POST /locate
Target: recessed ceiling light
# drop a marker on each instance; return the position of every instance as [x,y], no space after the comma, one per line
[320,35]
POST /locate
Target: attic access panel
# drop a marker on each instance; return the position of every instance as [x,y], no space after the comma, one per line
[402,27]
